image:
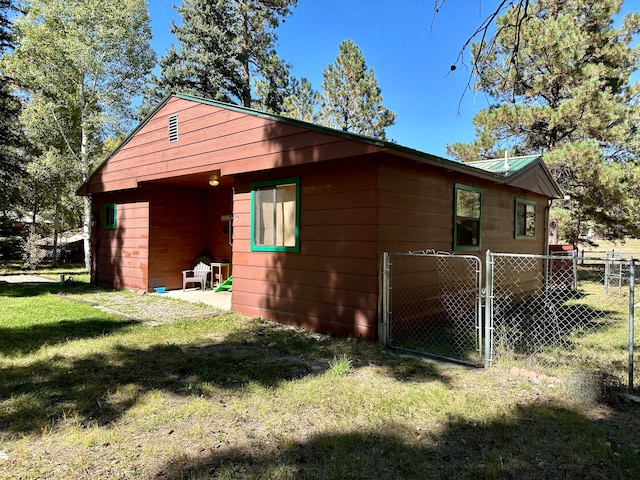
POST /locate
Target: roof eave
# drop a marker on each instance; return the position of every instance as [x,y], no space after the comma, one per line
[557,190]
[83,189]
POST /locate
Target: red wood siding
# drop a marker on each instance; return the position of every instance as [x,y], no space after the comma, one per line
[121,256]
[331,285]
[160,232]
[213,138]
[416,211]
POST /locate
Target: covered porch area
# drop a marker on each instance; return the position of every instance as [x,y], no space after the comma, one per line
[221,300]
[190,221]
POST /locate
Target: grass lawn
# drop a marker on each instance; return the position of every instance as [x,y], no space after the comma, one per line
[172,390]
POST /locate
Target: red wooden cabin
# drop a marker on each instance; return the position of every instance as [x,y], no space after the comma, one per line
[301,212]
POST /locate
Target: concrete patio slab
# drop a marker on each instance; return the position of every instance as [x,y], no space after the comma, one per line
[26,279]
[221,300]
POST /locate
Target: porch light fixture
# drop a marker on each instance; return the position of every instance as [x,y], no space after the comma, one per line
[214,179]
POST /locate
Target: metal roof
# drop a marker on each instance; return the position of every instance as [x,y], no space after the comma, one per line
[507,166]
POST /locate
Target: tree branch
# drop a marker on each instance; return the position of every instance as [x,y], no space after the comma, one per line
[483,32]
[63,134]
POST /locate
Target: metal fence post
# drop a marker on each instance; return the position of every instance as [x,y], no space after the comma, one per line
[383,334]
[479,309]
[575,270]
[631,319]
[488,311]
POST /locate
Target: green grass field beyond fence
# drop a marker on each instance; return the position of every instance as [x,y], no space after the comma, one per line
[111,385]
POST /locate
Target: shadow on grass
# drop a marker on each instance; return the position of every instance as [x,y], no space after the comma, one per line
[549,320]
[534,442]
[25,340]
[98,383]
[90,389]
[17,290]
[39,331]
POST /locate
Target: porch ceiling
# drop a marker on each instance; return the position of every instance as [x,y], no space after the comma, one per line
[195,180]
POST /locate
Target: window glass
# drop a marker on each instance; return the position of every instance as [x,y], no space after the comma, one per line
[525,219]
[468,207]
[275,207]
[110,216]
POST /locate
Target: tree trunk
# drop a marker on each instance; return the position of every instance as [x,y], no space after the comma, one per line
[246,71]
[56,228]
[86,201]
[86,230]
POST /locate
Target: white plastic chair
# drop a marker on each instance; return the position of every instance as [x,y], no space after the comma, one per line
[199,275]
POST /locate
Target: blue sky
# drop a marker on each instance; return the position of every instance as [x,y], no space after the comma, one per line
[410,50]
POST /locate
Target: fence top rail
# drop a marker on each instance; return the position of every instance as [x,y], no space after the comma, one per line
[609,253]
[423,253]
[564,257]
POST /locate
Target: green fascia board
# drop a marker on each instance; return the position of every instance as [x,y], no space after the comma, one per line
[484,168]
[393,147]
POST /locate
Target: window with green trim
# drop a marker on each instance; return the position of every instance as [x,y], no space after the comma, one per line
[467,218]
[275,216]
[525,223]
[110,216]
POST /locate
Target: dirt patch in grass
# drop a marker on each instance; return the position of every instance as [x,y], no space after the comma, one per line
[151,309]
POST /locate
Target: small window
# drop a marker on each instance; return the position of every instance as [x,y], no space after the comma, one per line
[173,128]
[275,216]
[110,216]
[525,227]
[468,212]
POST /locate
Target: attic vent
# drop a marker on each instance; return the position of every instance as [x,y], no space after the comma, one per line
[173,128]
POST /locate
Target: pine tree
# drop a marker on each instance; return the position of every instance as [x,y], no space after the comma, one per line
[352,99]
[224,48]
[565,91]
[11,138]
[302,101]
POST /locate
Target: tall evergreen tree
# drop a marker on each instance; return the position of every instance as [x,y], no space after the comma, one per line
[11,138]
[566,92]
[224,48]
[352,99]
[81,62]
[302,101]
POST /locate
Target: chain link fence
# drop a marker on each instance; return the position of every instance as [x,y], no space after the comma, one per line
[562,316]
[557,315]
[435,305]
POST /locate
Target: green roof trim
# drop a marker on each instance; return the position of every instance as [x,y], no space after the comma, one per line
[489,169]
[391,146]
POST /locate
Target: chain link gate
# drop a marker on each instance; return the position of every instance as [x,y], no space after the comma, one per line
[557,315]
[432,305]
[549,313]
